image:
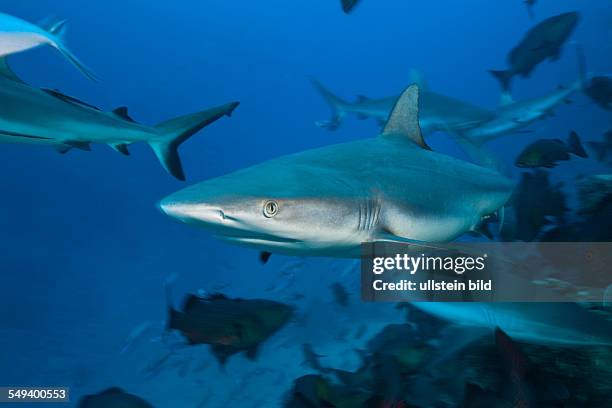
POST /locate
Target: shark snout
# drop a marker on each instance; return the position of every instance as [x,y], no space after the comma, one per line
[189,212]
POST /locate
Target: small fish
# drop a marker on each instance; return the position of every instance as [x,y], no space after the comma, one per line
[602,149]
[17,35]
[548,152]
[113,398]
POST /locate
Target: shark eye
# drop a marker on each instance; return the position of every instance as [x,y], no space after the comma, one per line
[270,208]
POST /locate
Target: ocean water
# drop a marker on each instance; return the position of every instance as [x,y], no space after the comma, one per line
[84,252]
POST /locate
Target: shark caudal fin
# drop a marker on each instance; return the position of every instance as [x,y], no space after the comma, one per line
[575,146]
[175,131]
[337,105]
[57,33]
[504,78]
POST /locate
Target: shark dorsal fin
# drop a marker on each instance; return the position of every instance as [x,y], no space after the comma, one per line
[7,72]
[403,120]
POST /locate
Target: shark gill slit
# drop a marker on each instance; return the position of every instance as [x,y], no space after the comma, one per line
[369,211]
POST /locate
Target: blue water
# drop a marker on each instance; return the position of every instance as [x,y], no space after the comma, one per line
[84,251]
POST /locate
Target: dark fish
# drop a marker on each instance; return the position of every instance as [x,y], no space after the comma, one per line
[228,325]
[548,152]
[540,43]
[602,149]
[595,226]
[113,398]
[535,203]
[340,294]
[311,358]
[349,5]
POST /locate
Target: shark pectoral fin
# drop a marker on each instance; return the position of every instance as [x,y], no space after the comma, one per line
[387,236]
[121,148]
[404,118]
[175,131]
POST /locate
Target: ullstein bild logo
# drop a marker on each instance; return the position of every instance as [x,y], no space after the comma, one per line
[506,272]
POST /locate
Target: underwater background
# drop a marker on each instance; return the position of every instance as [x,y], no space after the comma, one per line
[84,252]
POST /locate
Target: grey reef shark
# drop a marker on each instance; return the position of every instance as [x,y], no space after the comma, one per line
[31,115]
[441,113]
[327,201]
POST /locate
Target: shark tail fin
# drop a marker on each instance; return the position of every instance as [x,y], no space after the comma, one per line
[575,146]
[337,105]
[175,131]
[57,34]
[504,78]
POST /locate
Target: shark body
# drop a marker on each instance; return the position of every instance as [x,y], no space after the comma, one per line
[437,112]
[564,324]
[440,113]
[32,115]
[327,201]
[17,35]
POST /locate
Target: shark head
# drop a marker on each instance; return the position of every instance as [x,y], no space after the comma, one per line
[276,206]
[514,116]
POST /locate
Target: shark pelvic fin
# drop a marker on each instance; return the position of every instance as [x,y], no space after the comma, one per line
[175,131]
[121,148]
[404,118]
